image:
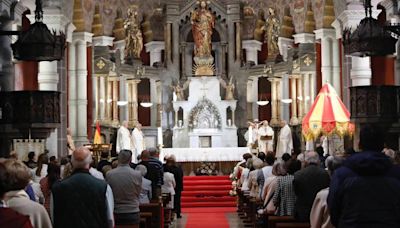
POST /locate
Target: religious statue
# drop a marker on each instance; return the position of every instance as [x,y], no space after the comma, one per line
[179,90]
[258,31]
[138,141]
[134,38]
[265,138]
[203,22]
[272,30]
[229,88]
[285,141]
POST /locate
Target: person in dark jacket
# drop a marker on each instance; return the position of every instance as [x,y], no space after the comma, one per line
[82,200]
[307,183]
[365,191]
[155,171]
[175,169]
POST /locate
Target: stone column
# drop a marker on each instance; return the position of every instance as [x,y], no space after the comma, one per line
[327,37]
[360,71]
[48,76]
[176,116]
[114,101]
[293,119]
[120,45]
[278,99]
[306,88]
[97,91]
[81,85]
[252,47]
[300,98]
[313,85]
[233,116]
[153,98]
[274,111]
[238,41]
[102,96]
[107,100]
[168,42]
[158,100]
[254,98]
[336,76]
[223,55]
[72,108]
[183,59]
[285,87]
[133,103]
[155,48]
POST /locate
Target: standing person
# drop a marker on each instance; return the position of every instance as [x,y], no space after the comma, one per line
[46,183]
[265,137]
[70,142]
[307,183]
[155,171]
[124,139]
[82,200]
[9,217]
[17,199]
[285,141]
[175,169]
[138,142]
[126,184]
[145,193]
[41,170]
[365,191]
[169,187]
[31,160]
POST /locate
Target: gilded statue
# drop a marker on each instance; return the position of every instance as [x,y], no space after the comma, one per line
[203,22]
[258,31]
[134,38]
[229,88]
[272,30]
[180,89]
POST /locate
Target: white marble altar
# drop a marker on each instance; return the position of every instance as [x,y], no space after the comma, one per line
[205,154]
[204,115]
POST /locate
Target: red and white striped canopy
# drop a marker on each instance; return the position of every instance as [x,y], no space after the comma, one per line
[327,115]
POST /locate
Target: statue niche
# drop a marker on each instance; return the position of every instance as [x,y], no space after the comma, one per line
[205,115]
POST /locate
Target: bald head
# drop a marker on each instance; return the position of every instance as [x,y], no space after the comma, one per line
[81,158]
[125,124]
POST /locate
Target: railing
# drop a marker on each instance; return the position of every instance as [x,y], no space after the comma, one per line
[375,104]
[30,107]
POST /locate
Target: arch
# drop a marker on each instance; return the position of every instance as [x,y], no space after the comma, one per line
[205,115]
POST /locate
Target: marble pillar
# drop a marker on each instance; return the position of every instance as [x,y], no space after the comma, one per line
[284,45]
[252,48]
[274,110]
[114,101]
[300,98]
[102,96]
[293,119]
[306,93]
[133,101]
[361,72]
[72,95]
[327,37]
[313,85]
[336,74]
[285,96]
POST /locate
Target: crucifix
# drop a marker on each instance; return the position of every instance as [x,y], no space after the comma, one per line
[204,87]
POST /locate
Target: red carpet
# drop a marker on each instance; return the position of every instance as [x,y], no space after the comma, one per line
[207,191]
[207,217]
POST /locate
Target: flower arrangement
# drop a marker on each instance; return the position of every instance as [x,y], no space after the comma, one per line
[207,169]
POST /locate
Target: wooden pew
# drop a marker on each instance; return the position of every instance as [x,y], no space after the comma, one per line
[145,219]
[166,198]
[285,222]
[157,213]
[293,225]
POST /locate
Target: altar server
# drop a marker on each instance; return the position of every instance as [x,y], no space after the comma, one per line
[124,140]
[285,141]
[138,140]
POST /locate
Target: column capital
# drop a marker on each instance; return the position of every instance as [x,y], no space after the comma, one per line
[304,38]
[251,44]
[82,36]
[338,28]
[325,33]
[103,41]
[155,46]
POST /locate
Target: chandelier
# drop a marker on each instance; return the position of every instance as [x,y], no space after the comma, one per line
[38,43]
[369,38]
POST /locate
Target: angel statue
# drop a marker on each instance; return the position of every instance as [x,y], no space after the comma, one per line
[179,90]
[272,30]
[229,88]
[134,38]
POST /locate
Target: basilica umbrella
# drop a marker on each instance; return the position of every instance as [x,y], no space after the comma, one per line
[328,115]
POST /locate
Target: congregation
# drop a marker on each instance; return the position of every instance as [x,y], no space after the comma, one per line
[79,193]
[349,190]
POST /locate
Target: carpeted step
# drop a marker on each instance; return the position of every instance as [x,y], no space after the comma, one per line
[208,199]
[208,204]
[207,182]
[207,187]
[206,193]
[206,178]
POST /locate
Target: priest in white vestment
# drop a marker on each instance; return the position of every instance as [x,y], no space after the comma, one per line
[124,140]
[285,141]
[138,140]
[265,138]
[251,134]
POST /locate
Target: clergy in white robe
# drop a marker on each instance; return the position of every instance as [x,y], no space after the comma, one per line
[285,141]
[138,140]
[251,134]
[265,138]
[124,140]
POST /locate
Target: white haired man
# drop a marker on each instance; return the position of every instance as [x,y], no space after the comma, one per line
[82,200]
[124,139]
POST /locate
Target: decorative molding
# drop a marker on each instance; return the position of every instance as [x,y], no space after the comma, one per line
[338,28]
[325,33]
[103,41]
[351,18]
[304,38]
[82,36]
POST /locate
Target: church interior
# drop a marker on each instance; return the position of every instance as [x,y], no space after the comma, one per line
[205,81]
